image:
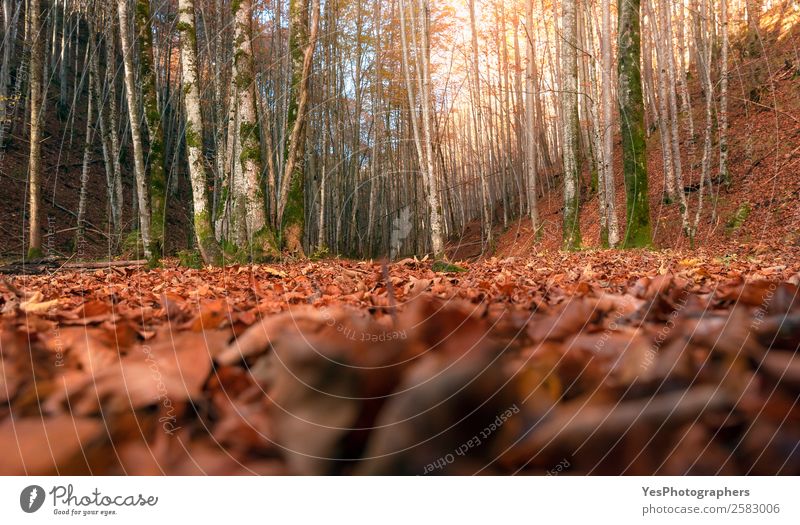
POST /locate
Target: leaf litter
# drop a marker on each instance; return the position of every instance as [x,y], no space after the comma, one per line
[610,363]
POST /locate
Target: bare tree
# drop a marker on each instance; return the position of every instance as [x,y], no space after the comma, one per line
[478,118]
[135,126]
[249,221]
[37,37]
[531,147]
[291,203]
[631,115]
[612,224]
[157,183]
[203,228]
[570,125]
[723,95]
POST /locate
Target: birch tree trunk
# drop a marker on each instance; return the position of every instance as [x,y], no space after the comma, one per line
[485,194]
[434,201]
[631,116]
[570,126]
[101,91]
[670,193]
[666,17]
[704,53]
[135,126]
[249,222]
[87,150]
[203,227]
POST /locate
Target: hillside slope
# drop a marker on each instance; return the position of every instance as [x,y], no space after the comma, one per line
[760,207]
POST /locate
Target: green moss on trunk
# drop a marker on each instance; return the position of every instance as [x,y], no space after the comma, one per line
[265,245]
[157,184]
[293,220]
[631,107]
[206,241]
[294,216]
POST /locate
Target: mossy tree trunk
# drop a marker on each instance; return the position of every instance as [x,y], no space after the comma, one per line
[203,228]
[631,115]
[249,220]
[155,156]
[571,132]
[291,204]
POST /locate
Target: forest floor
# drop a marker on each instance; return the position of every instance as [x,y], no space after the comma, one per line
[591,362]
[534,361]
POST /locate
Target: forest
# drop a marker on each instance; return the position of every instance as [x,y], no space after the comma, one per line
[400,236]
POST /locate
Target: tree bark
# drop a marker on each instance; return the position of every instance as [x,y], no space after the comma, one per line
[723,96]
[631,115]
[531,149]
[155,154]
[249,222]
[291,204]
[203,227]
[608,129]
[434,201]
[487,204]
[87,148]
[135,127]
[571,239]
[35,158]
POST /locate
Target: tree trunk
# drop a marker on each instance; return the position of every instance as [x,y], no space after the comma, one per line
[8,103]
[249,216]
[35,159]
[116,177]
[87,148]
[487,204]
[674,120]
[434,201]
[658,36]
[135,126]
[203,228]
[724,176]
[62,61]
[631,116]
[608,129]
[291,204]
[531,149]
[570,126]
[155,154]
